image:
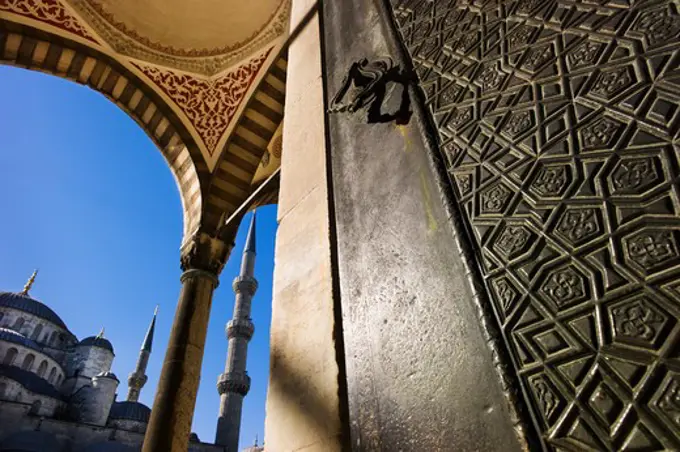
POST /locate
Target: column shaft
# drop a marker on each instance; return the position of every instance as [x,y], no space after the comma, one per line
[170,424]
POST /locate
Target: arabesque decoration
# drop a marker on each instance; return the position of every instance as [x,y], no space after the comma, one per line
[210,104]
[51,12]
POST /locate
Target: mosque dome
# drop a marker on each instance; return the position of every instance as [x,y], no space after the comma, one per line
[29,305]
[109,446]
[31,441]
[18,338]
[30,381]
[97,341]
[130,411]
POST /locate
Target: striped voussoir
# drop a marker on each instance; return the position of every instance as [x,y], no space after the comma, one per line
[232,180]
[35,49]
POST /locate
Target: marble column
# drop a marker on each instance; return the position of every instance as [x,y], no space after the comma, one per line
[202,260]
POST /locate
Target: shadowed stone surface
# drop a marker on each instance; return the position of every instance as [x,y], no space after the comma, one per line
[420,375]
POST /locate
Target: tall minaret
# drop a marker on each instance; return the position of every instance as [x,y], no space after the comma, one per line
[137,379]
[234,383]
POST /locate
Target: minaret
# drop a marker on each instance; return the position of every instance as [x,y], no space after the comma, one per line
[234,383]
[137,379]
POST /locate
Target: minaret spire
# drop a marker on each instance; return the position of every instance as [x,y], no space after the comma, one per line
[250,240]
[29,283]
[137,379]
[234,383]
[148,339]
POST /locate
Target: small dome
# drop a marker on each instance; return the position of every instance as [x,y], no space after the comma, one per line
[110,375]
[130,411]
[193,438]
[30,381]
[18,338]
[30,306]
[109,446]
[97,341]
[31,441]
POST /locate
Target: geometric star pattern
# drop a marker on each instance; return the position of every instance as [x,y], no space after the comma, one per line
[559,125]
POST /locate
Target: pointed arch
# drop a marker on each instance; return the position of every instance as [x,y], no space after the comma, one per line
[28,362]
[10,356]
[42,368]
[36,332]
[30,48]
[18,324]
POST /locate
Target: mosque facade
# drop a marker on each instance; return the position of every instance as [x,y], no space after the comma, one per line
[58,394]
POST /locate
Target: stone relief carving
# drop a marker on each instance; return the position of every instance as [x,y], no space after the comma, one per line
[210,104]
[571,141]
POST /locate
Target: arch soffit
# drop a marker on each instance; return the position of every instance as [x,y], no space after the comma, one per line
[213,167]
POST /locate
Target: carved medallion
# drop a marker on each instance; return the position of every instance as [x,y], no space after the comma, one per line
[490,77]
[518,123]
[647,250]
[494,199]
[512,241]
[668,401]
[599,134]
[637,322]
[584,55]
[506,293]
[579,225]
[611,82]
[634,176]
[548,401]
[551,180]
[659,26]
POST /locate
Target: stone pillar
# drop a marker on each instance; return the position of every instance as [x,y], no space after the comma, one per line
[303,398]
[420,374]
[202,260]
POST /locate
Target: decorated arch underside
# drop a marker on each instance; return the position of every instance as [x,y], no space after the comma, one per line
[210,100]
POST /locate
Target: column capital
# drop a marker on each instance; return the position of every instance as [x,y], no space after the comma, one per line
[205,252]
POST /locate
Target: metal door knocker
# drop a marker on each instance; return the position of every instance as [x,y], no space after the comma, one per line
[366,82]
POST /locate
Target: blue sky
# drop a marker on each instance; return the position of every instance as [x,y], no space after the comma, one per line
[87,198]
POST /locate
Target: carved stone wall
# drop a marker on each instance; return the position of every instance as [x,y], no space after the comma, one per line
[558,121]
